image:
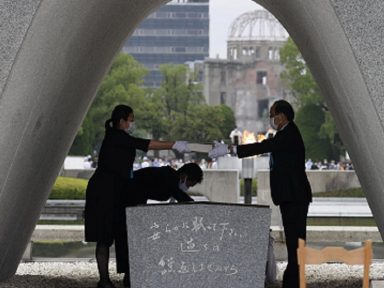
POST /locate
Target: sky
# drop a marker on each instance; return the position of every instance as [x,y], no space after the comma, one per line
[222,14]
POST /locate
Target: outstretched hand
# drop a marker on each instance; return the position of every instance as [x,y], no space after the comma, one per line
[181,146]
[219,150]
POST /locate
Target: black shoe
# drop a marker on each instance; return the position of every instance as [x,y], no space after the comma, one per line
[105,284]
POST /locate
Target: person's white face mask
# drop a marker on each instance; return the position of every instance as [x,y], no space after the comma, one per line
[272,123]
[183,185]
[130,128]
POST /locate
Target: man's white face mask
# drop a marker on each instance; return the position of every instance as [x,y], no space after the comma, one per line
[130,128]
[272,123]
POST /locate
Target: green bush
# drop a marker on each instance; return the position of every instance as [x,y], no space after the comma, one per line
[69,188]
[66,188]
[254,187]
[62,249]
[74,189]
[353,192]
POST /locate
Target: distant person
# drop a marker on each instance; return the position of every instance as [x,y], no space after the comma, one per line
[308,164]
[332,165]
[290,188]
[146,163]
[203,164]
[154,183]
[314,166]
[87,162]
[110,181]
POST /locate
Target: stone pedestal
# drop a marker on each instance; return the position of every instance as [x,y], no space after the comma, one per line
[198,245]
[219,186]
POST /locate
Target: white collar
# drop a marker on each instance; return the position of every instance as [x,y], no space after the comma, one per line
[282,128]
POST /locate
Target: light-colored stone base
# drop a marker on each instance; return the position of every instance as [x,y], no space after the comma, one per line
[314,234]
[377,284]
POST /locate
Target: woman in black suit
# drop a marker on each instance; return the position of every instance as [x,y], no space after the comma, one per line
[290,188]
[154,183]
[105,190]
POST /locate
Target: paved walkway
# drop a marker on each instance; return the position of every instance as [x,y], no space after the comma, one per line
[332,207]
[82,274]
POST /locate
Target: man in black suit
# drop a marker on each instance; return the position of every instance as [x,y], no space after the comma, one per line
[290,188]
[155,183]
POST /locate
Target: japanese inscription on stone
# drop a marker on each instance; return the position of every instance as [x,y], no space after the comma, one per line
[198,245]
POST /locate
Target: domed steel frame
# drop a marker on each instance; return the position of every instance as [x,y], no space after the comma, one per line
[257,25]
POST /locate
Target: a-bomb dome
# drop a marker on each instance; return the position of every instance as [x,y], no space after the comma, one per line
[257,25]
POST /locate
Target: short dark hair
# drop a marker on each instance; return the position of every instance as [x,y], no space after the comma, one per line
[193,172]
[119,112]
[282,106]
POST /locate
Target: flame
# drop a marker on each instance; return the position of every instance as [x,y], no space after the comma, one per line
[248,137]
[261,137]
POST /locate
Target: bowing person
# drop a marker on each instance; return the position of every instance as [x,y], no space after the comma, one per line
[154,183]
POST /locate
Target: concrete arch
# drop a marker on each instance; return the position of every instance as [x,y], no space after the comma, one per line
[54,53]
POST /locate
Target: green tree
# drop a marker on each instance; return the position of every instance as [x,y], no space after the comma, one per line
[298,77]
[317,147]
[183,113]
[174,111]
[167,106]
[313,118]
[204,123]
[178,92]
[122,84]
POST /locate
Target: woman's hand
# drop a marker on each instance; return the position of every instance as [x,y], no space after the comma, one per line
[181,146]
[219,150]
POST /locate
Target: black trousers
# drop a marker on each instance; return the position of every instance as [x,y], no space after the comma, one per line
[294,216]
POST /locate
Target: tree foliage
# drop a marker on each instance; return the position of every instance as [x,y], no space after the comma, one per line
[183,113]
[313,118]
[175,111]
[122,84]
[317,147]
[298,77]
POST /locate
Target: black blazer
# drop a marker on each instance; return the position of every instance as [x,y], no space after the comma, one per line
[155,183]
[288,180]
[109,183]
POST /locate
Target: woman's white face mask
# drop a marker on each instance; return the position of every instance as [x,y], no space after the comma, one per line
[130,128]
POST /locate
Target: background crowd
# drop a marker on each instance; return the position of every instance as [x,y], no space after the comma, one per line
[146,161]
[328,165]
